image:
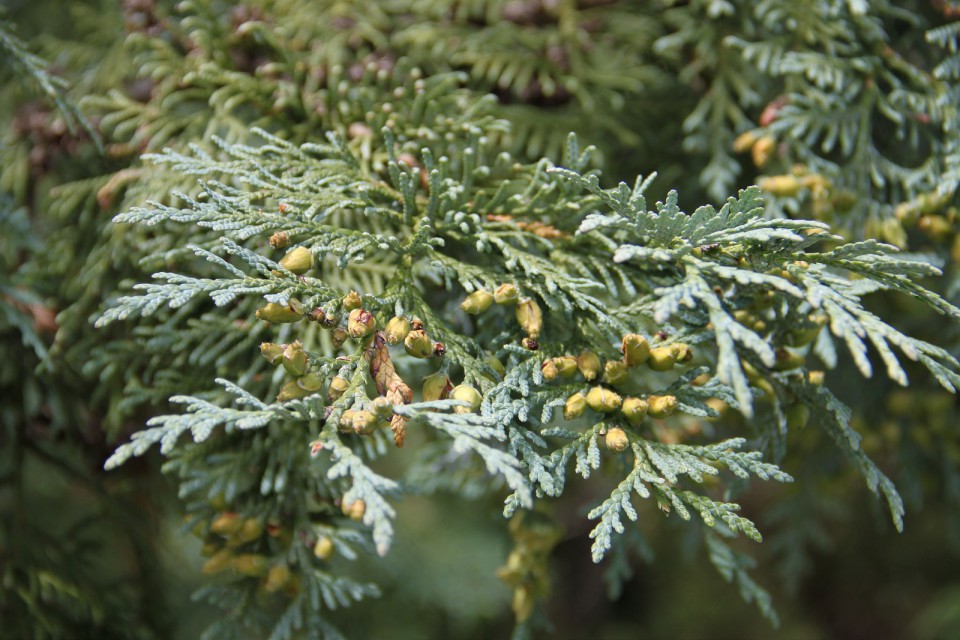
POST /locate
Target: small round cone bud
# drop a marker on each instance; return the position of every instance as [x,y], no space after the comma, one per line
[352,301]
[323,549]
[494,363]
[361,323]
[382,408]
[566,366]
[338,337]
[615,372]
[250,564]
[662,359]
[297,261]
[762,149]
[317,315]
[634,410]
[418,344]
[589,364]
[467,394]
[295,359]
[530,317]
[603,400]
[635,349]
[436,387]
[787,360]
[477,302]
[311,382]
[329,320]
[272,352]
[354,510]
[744,141]
[549,370]
[439,349]
[530,343]
[396,330]
[617,440]
[783,186]
[291,391]
[250,529]
[338,386]
[346,421]
[682,352]
[574,406]
[226,524]
[416,324]
[219,562]
[278,313]
[277,578]
[365,423]
[815,378]
[661,406]
[506,294]
[279,240]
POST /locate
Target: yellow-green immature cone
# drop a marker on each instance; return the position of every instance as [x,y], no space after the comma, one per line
[346,421]
[635,349]
[361,323]
[634,410]
[815,378]
[298,261]
[589,364]
[365,423]
[337,386]
[615,372]
[338,337]
[311,382]
[354,510]
[787,360]
[682,352]
[477,302]
[494,363]
[250,529]
[530,317]
[662,359]
[382,408]
[617,440]
[226,524]
[295,359]
[566,366]
[272,352]
[323,549]
[278,313]
[574,406]
[783,186]
[603,400]
[506,294]
[661,406]
[250,564]
[352,301]
[467,394]
[292,391]
[396,330]
[436,387]
[219,562]
[418,344]
[549,370]
[277,578]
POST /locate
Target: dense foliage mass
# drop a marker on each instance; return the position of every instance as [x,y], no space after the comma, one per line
[345,257]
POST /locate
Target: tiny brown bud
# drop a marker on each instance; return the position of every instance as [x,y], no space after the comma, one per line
[279,240]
